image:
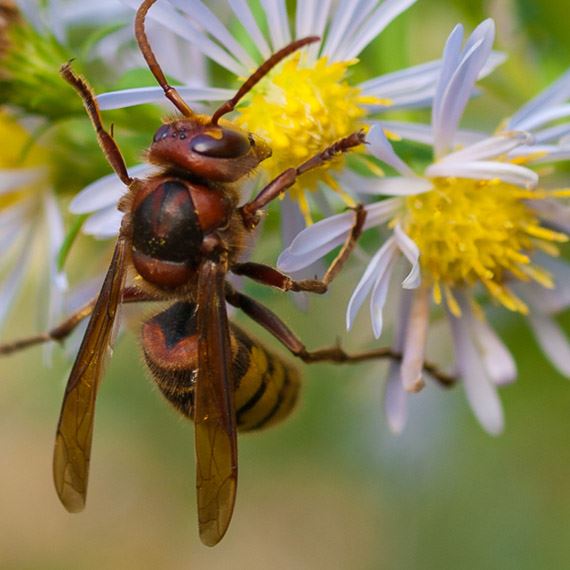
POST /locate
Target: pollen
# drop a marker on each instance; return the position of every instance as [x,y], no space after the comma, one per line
[300,109]
[473,232]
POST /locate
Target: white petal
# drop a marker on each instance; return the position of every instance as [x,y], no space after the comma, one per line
[415,342]
[557,299]
[495,59]
[13,179]
[386,13]
[410,100]
[398,83]
[553,212]
[555,154]
[291,263]
[416,86]
[13,222]
[424,133]
[449,62]
[390,186]
[180,60]
[276,14]
[245,16]
[379,295]
[410,250]
[345,13]
[142,95]
[104,192]
[188,30]
[323,202]
[379,146]
[376,268]
[547,301]
[30,10]
[481,392]
[557,93]
[455,98]
[103,12]
[56,235]
[103,224]
[485,170]
[200,13]
[292,220]
[491,147]
[292,223]
[398,187]
[311,18]
[320,238]
[55,22]
[362,12]
[395,400]
[380,212]
[560,271]
[307,247]
[13,283]
[402,319]
[457,92]
[115,47]
[305,16]
[418,92]
[544,116]
[55,283]
[552,340]
[541,153]
[552,133]
[496,357]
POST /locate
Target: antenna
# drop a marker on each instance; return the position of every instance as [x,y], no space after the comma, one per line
[152,62]
[259,74]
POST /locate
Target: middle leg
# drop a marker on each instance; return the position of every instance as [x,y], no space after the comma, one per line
[272,277]
[64,329]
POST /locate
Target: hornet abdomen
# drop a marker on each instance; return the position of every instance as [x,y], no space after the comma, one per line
[265,387]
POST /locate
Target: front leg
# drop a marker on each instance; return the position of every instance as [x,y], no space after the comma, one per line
[279,185]
[272,277]
[105,138]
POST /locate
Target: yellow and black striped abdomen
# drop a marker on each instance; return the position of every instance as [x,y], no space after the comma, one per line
[265,387]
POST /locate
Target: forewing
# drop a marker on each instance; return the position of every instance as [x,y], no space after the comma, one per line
[214,414]
[75,429]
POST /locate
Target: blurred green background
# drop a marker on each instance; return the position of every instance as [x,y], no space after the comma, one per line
[331,487]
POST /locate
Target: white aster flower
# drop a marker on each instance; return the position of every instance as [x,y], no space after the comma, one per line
[308,102]
[30,221]
[472,223]
[56,17]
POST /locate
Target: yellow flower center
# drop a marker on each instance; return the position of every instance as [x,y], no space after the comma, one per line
[471,231]
[301,109]
[16,152]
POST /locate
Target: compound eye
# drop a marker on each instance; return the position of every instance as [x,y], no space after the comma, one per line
[232,144]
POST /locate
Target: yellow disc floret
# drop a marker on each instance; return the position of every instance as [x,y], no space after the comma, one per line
[471,231]
[301,109]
